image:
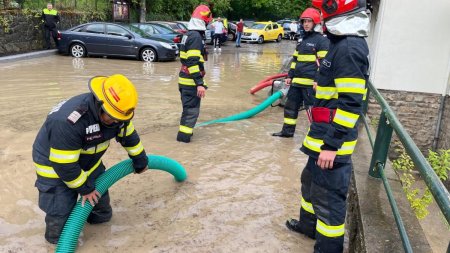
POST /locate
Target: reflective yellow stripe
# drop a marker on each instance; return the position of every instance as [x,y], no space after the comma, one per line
[130,130]
[52,12]
[135,150]
[77,182]
[345,118]
[293,65]
[186,81]
[193,53]
[313,144]
[328,230]
[365,95]
[45,171]
[307,206]
[322,54]
[89,172]
[306,57]
[305,81]
[290,121]
[186,130]
[350,85]
[326,93]
[64,156]
[194,69]
[295,53]
[183,55]
[97,149]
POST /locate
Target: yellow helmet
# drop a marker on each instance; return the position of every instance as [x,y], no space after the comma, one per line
[117,94]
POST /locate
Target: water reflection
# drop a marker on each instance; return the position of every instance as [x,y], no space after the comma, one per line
[78,63]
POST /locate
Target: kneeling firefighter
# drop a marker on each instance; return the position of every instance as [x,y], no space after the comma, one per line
[68,149]
[332,136]
[191,85]
[303,71]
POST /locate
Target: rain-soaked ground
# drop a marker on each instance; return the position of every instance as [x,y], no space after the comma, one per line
[242,183]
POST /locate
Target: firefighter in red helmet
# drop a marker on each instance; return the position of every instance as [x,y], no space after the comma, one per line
[191,82]
[331,139]
[303,72]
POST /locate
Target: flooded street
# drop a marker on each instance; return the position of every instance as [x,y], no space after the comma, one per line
[242,183]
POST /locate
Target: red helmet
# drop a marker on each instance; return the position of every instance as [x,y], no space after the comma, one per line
[202,12]
[332,8]
[311,13]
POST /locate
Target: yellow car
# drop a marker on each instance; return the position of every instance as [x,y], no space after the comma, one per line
[262,31]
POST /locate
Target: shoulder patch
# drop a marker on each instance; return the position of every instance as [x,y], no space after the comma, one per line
[74,117]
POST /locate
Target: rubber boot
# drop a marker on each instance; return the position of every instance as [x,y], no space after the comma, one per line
[54,227]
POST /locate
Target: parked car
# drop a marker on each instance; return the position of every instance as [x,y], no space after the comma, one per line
[287,30]
[185,23]
[109,39]
[160,31]
[209,34]
[262,31]
[177,27]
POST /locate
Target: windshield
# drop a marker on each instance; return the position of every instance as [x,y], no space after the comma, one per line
[258,26]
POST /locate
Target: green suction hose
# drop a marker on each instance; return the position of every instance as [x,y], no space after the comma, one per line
[75,223]
[250,113]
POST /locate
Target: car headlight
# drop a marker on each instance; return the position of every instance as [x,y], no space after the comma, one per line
[166,45]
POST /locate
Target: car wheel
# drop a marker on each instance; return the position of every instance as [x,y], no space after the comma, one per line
[279,38]
[77,50]
[148,54]
[260,39]
[231,36]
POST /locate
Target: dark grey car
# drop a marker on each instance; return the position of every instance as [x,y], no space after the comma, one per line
[109,39]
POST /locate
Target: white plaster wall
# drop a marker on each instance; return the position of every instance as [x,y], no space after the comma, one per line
[410,46]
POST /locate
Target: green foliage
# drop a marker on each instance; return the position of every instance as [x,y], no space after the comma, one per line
[5,22]
[418,199]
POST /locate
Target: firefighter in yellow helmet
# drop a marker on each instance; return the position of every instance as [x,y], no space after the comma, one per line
[191,85]
[68,149]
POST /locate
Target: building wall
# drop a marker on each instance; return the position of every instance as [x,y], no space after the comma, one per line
[409,43]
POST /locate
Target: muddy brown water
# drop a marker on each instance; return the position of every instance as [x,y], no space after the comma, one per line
[242,183]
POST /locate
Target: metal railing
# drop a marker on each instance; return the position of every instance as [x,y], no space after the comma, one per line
[388,123]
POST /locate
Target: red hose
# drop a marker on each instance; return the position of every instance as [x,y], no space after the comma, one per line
[260,86]
[273,77]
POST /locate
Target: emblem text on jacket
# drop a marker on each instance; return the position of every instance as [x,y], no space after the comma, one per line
[92,128]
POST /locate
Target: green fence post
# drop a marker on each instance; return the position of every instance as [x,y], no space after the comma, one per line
[381,147]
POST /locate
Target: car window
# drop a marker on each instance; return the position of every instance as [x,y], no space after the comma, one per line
[275,26]
[95,28]
[269,27]
[286,25]
[258,26]
[182,26]
[162,29]
[136,30]
[148,29]
[115,30]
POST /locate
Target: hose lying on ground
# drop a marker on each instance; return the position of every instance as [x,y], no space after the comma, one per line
[69,236]
[250,113]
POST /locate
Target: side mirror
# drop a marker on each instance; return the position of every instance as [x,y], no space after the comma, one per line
[129,36]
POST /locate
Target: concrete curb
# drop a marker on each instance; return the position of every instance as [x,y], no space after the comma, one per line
[18,57]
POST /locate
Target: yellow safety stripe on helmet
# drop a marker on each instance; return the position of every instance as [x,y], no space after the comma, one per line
[97,149]
[45,171]
[293,65]
[186,81]
[295,53]
[135,150]
[304,81]
[186,130]
[351,85]
[290,121]
[130,130]
[330,231]
[365,95]
[307,206]
[64,156]
[194,69]
[313,144]
[77,182]
[49,172]
[345,118]
[306,57]
[326,93]
[322,53]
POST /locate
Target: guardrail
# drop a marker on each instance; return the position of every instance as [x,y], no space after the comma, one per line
[388,123]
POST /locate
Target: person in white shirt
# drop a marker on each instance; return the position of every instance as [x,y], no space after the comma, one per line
[294,28]
[218,33]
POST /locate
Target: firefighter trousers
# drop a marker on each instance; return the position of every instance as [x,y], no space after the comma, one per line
[191,110]
[323,204]
[296,97]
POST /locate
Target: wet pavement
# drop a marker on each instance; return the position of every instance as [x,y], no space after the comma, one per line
[242,183]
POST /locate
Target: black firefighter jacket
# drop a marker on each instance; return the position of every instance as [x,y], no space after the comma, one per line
[72,140]
[341,86]
[192,57]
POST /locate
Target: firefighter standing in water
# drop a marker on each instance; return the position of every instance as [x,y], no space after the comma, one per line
[68,149]
[191,85]
[303,72]
[331,139]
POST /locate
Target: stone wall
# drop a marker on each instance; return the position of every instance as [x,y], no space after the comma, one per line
[21,31]
[418,113]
